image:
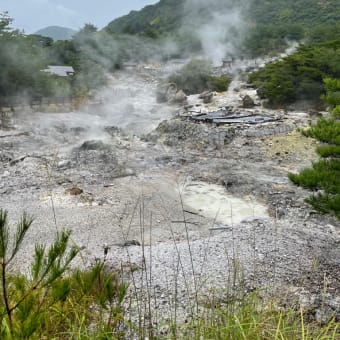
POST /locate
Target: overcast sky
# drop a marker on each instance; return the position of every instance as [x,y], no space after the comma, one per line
[32,15]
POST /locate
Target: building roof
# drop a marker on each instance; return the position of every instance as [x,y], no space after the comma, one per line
[62,71]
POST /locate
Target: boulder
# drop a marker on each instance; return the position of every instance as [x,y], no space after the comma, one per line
[180,97]
[206,96]
[247,102]
[166,92]
[93,145]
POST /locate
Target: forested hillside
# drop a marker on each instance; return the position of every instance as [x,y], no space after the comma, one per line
[153,20]
[308,13]
[275,22]
[269,24]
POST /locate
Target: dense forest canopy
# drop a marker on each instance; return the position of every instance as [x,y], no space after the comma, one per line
[268,24]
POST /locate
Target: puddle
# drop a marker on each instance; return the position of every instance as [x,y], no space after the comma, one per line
[213,201]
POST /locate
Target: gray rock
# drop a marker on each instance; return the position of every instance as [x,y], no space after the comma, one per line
[93,145]
[207,97]
[64,164]
[247,102]
[180,97]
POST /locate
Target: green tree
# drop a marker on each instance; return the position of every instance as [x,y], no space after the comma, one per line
[324,176]
[18,296]
[55,301]
[5,25]
[300,75]
[332,97]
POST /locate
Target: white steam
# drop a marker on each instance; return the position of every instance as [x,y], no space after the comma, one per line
[214,37]
[218,24]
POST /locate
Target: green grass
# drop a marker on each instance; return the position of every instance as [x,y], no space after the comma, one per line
[253,318]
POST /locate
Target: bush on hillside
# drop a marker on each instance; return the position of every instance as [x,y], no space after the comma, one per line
[197,76]
[219,84]
[300,75]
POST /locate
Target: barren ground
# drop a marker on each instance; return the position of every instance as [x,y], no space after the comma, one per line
[203,202]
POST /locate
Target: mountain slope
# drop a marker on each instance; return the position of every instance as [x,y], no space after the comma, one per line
[306,12]
[269,23]
[163,17]
[56,32]
[169,14]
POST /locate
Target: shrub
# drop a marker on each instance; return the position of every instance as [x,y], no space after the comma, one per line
[51,304]
[301,76]
[326,130]
[219,84]
[196,77]
[329,151]
[325,174]
[193,77]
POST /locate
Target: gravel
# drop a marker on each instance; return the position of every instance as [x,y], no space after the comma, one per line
[131,190]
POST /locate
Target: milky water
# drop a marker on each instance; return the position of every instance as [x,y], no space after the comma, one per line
[213,201]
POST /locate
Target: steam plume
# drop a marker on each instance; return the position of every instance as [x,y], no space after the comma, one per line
[218,24]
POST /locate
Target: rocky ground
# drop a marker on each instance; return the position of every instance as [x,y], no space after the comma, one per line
[185,208]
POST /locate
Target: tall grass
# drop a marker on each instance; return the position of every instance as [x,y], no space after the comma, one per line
[252,318]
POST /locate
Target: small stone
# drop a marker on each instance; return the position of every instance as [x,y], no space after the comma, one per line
[74,191]
[64,164]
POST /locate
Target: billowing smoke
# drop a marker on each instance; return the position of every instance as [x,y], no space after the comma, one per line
[218,24]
